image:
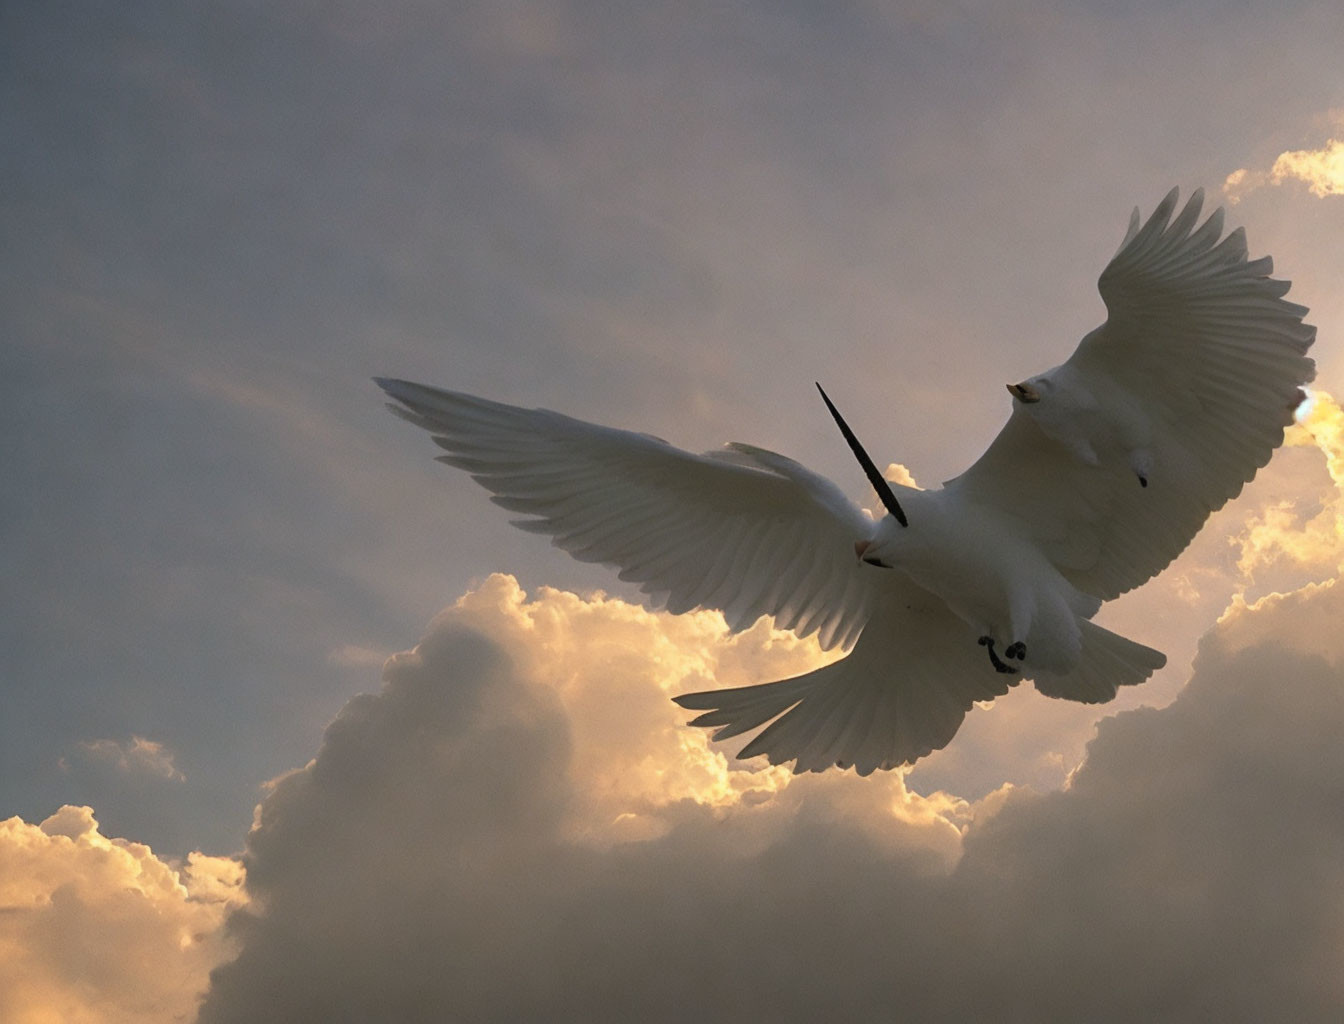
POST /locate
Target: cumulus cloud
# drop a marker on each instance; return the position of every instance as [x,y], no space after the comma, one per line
[456,849]
[134,756]
[96,930]
[899,474]
[1322,170]
[1191,870]
[1304,533]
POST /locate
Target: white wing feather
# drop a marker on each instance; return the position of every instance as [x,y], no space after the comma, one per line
[1200,346]
[742,530]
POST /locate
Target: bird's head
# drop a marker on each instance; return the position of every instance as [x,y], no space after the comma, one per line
[1029,392]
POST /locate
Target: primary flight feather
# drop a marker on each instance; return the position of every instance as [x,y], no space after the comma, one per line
[1106,469]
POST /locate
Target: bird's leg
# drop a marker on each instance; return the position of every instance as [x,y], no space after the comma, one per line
[987,642]
[1016,651]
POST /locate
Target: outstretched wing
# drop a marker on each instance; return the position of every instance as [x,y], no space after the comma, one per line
[742,530]
[1203,352]
[901,693]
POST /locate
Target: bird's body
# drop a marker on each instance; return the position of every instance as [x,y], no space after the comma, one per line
[1108,466]
[974,561]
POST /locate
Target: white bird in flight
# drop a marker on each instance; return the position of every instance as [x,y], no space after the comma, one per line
[1106,469]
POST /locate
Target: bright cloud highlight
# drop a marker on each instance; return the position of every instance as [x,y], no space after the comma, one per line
[1321,169]
[95,930]
[613,667]
[1307,535]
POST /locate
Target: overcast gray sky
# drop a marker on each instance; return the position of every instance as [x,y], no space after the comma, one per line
[217,222]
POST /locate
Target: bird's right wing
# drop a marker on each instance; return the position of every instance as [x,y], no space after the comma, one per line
[742,530]
[1201,347]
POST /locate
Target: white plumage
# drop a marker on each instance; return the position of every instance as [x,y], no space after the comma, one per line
[1107,467]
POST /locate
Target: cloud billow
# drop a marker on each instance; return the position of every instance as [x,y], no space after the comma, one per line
[100,930]
[1185,872]
[1321,170]
[425,865]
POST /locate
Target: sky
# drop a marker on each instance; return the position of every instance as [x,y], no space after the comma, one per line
[296,725]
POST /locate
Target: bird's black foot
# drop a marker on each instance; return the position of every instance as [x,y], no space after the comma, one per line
[987,642]
[1016,651]
[1143,480]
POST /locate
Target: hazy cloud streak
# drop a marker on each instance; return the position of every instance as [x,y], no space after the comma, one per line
[134,756]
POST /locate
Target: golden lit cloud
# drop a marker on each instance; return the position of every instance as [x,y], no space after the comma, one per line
[1308,538]
[1321,169]
[96,930]
[614,665]
[897,473]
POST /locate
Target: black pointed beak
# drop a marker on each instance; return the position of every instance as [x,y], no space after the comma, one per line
[875,478]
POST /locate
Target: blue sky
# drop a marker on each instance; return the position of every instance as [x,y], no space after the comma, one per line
[218,222]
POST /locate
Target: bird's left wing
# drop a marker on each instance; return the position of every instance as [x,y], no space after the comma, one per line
[742,530]
[1200,361]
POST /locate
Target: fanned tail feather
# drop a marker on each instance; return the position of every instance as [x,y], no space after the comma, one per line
[869,710]
[1108,662]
